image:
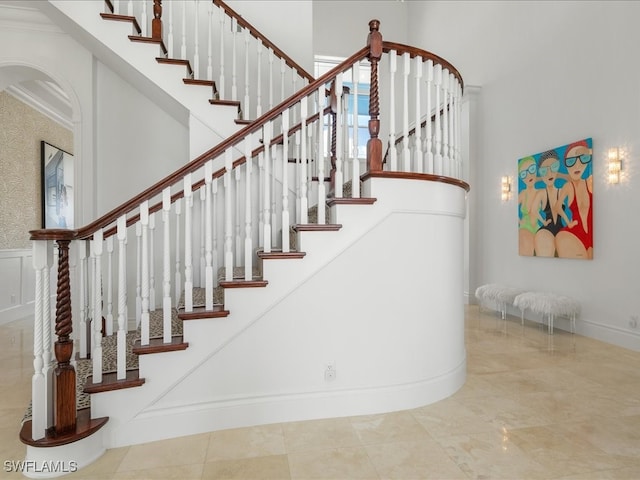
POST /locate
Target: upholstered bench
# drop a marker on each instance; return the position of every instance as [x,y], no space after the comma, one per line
[498,296]
[549,304]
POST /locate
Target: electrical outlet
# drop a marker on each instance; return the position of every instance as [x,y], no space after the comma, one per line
[13,299]
[329,371]
[633,321]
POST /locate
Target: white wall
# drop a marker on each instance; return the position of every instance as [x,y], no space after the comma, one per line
[550,73]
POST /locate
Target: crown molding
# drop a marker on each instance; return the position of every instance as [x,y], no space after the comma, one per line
[45,106]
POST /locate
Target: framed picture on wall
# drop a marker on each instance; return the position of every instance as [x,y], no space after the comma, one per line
[57,187]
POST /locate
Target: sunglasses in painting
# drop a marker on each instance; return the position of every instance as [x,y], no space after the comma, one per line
[531,169]
[555,166]
[584,159]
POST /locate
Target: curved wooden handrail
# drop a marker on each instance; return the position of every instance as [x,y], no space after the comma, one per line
[418,176]
[177,176]
[265,41]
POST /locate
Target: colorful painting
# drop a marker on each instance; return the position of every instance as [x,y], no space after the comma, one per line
[555,202]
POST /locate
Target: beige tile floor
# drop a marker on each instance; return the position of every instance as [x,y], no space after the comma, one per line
[534,407]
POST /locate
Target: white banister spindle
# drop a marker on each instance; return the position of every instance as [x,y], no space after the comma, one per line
[438,155]
[122,298]
[196,47]
[285,182]
[309,155]
[457,128]
[130,8]
[261,180]
[271,57]
[452,130]
[283,71]
[344,125]
[214,233]
[234,60]
[266,187]
[238,236]
[221,77]
[208,270]
[170,35]
[393,67]
[116,6]
[259,81]
[47,335]
[144,319]
[274,184]
[418,160]
[152,270]
[246,105]
[248,237]
[339,139]
[138,273]
[304,201]
[203,234]
[322,189]
[145,19]
[188,239]
[355,166]
[166,264]
[39,399]
[96,353]
[83,281]
[228,221]
[109,322]
[427,129]
[183,44]
[178,273]
[446,167]
[297,167]
[406,70]
[209,42]
[92,299]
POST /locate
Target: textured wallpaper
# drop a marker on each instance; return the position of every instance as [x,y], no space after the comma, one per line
[21,130]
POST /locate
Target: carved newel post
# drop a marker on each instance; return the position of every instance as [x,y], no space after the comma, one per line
[156,23]
[65,375]
[374,145]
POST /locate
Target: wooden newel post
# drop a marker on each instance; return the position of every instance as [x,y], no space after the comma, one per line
[333,102]
[156,23]
[374,145]
[64,396]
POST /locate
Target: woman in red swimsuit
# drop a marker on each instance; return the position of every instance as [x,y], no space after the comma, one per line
[575,239]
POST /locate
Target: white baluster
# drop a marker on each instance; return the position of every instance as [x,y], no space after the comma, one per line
[297,172]
[183,46]
[246,106]
[355,166]
[188,231]
[38,387]
[144,318]
[178,274]
[270,53]
[130,8]
[406,155]
[138,274]
[109,323]
[248,237]
[446,167]
[214,222]
[339,181]
[322,189]
[274,184]
[238,238]
[438,156]
[266,189]
[208,270]
[166,263]
[221,77]
[304,201]
[47,338]
[234,68]
[152,272]
[457,129]
[170,35]
[83,300]
[209,42]
[418,161]
[393,66]
[427,129]
[122,298]
[259,81]
[452,133]
[92,300]
[228,223]
[116,6]
[285,181]
[145,20]
[196,50]
[96,353]
[283,71]
[203,235]
[261,180]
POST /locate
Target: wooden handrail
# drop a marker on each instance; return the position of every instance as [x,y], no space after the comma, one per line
[156,189]
[265,41]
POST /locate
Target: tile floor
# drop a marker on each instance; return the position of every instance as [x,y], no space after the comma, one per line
[534,407]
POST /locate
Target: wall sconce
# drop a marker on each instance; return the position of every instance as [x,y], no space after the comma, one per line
[505,188]
[614,165]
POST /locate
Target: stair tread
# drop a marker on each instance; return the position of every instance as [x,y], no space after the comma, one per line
[139,38]
[110,382]
[85,426]
[157,345]
[123,18]
[176,61]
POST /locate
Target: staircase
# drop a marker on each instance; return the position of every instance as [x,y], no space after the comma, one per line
[247,272]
